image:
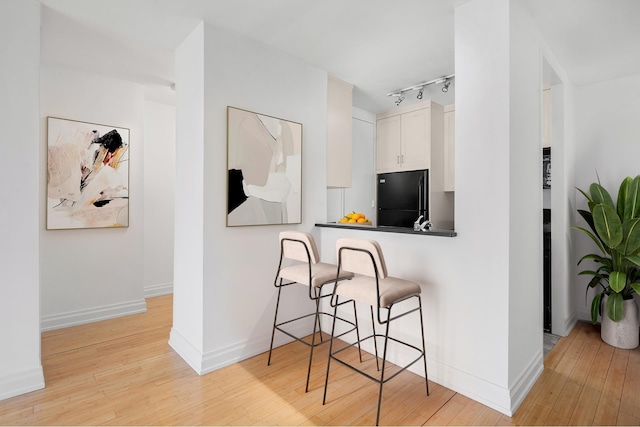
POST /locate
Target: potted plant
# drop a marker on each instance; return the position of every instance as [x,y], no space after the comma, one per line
[615,229]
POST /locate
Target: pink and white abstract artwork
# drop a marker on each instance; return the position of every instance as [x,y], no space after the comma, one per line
[88,175]
[264,165]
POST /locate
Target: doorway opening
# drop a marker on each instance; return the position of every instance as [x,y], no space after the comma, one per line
[555,211]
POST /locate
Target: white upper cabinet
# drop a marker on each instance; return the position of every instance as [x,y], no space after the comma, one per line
[388,139]
[416,139]
[339,133]
[449,147]
[404,137]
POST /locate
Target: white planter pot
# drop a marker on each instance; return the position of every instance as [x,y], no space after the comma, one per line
[625,333]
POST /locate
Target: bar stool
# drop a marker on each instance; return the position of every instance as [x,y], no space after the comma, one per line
[307,270]
[372,286]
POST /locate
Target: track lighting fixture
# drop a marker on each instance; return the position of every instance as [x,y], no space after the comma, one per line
[445,80]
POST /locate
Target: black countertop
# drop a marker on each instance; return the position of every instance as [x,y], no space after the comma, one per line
[400,230]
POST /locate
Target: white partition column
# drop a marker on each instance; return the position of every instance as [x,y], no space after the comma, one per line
[188,293]
[20,367]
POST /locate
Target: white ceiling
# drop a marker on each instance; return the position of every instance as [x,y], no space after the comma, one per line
[377,45]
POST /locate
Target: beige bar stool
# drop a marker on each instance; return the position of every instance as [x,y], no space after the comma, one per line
[300,249]
[372,286]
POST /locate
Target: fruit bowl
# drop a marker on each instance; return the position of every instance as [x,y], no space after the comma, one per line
[354,218]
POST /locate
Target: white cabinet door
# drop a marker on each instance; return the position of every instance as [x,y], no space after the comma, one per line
[415,151]
[388,144]
[449,148]
[339,137]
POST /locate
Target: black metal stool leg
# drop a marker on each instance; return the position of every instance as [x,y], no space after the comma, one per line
[313,342]
[275,318]
[355,316]
[375,340]
[424,349]
[384,362]
[333,330]
[318,295]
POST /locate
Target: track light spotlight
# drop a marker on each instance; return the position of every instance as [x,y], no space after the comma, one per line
[445,80]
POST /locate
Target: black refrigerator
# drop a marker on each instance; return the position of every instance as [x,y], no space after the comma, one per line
[402,198]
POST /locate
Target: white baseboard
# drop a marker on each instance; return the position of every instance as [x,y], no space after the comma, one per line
[186,350]
[21,383]
[151,291]
[492,395]
[583,314]
[525,383]
[89,315]
[478,389]
[205,363]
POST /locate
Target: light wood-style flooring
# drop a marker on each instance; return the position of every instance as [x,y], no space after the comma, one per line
[123,372]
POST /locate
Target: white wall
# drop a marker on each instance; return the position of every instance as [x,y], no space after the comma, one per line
[92,274]
[241,262]
[482,162]
[607,143]
[482,290]
[562,195]
[361,194]
[525,204]
[236,292]
[159,177]
[20,368]
[188,287]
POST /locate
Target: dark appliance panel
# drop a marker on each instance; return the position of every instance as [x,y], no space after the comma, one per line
[402,198]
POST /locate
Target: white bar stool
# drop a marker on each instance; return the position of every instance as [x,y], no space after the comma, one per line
[307,270]
[372,286]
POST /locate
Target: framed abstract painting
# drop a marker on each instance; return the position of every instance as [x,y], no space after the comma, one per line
[264,169]
[87,176]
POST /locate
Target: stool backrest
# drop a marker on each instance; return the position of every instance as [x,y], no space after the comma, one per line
[293,245]
[355,255]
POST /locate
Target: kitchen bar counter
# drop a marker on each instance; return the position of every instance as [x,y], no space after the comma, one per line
[401,230]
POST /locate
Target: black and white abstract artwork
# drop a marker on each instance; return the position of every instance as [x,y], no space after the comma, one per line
[87,175]
[264,169]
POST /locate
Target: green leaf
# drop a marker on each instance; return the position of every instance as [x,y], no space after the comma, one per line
[589,273]
[634,259]
[595,308]
[594,238]
[623,192]
[595,281]
[585,194]
[632,205]
[608,225]
[588,218]
[630,237]
[636,287]
[617,281]
[600,195]
[596,258]
[615,307]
